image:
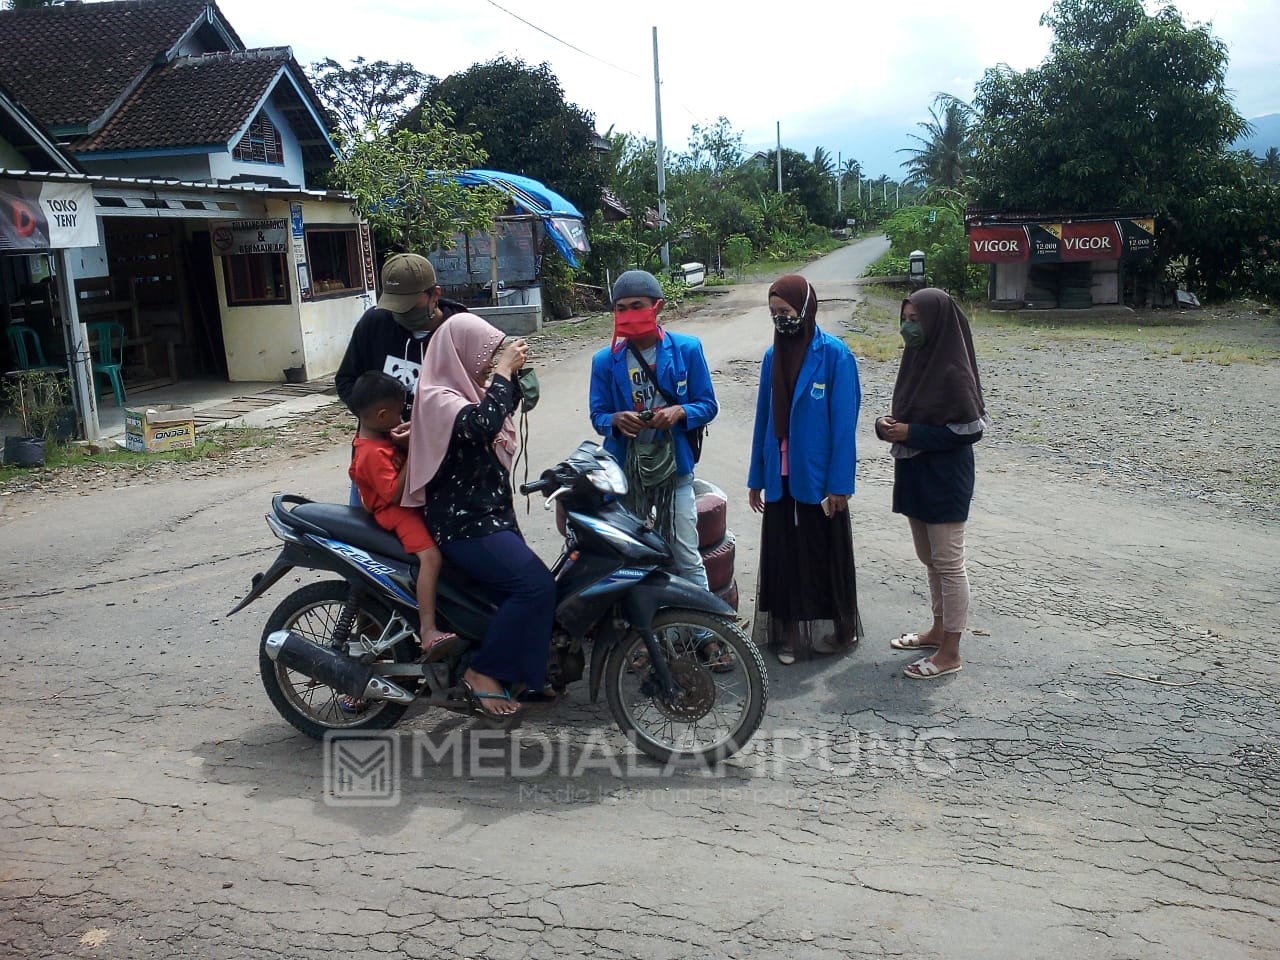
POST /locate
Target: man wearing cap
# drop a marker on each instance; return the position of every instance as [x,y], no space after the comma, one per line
[392,337]
[645,413]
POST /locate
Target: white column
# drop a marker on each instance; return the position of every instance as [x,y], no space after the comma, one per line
[77,340]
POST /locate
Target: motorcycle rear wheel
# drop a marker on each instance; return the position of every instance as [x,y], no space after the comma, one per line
[720,710]
[312,612]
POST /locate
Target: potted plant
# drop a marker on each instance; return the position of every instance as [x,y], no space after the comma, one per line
[39,398]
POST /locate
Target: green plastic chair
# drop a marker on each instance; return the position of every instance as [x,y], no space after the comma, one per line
[109,355]
[25,345]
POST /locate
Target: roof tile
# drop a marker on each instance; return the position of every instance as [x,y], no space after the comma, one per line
[68,64]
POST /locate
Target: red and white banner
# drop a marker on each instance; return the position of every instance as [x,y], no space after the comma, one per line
[1091,240]
[46,216]
[999,244]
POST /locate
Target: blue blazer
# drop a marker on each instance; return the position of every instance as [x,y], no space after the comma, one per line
[822,447]
[681,371]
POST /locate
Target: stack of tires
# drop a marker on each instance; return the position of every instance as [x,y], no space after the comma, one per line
[715,541]
[1076,287]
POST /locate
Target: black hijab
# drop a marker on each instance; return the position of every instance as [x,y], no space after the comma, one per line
[789,349]
[938,381]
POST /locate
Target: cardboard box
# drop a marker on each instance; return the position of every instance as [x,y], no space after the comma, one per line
[158,428]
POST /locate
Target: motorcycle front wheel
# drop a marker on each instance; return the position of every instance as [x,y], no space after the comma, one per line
[721,675]
[314,613]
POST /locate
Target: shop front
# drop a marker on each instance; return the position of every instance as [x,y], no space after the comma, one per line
[194,281]
[1059,262]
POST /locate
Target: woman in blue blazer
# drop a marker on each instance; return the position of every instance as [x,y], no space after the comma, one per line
[803,456]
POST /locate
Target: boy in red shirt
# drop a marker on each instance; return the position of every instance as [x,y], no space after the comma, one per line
[378,471]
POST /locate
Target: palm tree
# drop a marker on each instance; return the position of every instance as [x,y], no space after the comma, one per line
[851,171]
[822,160]
[942,159]
[1270,163]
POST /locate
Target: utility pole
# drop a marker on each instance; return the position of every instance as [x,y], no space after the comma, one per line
[897,203]
[662,172]
[839,182]
[779,156]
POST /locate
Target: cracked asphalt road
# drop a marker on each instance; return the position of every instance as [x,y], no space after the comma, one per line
[1101,781]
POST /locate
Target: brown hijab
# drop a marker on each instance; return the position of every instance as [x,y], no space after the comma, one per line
[938,381]
[789,350]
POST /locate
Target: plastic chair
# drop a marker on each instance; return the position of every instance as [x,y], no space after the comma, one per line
[25,344]
[109,355]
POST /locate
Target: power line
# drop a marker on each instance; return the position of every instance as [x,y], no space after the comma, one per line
[565,42]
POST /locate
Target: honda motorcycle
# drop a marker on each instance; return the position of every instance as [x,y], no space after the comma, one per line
[681,678]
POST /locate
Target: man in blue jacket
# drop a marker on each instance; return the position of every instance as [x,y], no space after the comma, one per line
[648,390]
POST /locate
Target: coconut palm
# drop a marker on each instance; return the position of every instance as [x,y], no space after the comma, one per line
[850,172]
[943,156]
[822,161]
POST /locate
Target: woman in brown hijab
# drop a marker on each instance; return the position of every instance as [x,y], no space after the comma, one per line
[938,415]
[803,456]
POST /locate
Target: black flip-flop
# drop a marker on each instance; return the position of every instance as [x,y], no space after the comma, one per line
[477,699]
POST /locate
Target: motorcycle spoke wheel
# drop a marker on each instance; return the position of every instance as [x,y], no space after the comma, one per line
[717,711]
[313,613]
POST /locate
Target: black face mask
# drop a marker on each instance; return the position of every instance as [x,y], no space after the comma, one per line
[912,333]
[788,326]
[417,319]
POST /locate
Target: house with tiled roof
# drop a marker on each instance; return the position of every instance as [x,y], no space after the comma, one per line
[164,88]
[214,251]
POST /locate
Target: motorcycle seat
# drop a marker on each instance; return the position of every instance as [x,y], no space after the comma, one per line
[353,525]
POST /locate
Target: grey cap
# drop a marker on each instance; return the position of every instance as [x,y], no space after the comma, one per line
[405,277]
[636,283]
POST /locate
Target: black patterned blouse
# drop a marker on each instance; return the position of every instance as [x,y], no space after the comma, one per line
[470,496]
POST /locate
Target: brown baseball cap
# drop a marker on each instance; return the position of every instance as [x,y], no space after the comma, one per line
[404,278]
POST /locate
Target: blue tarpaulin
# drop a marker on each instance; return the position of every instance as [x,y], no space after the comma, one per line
[561,218]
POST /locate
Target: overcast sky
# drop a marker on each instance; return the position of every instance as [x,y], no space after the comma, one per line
[851,80]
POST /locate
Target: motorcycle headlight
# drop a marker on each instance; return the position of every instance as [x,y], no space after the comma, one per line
[608,477]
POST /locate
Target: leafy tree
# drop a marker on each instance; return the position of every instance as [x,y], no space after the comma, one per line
[521,116]
[401,182]
[1229,231]
[1124,113]
[811,189]
[366,96]
[737,252]
[944,154]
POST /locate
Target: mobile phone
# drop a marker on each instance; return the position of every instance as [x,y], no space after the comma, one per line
[826,505]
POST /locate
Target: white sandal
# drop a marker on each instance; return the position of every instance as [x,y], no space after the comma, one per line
[911,641]
[926,669]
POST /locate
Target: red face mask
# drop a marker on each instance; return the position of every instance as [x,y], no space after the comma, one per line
[629,324]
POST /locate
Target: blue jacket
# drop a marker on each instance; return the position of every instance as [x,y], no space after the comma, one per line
[822,448]
[682,373]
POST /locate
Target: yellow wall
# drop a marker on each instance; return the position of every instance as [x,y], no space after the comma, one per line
[262,341]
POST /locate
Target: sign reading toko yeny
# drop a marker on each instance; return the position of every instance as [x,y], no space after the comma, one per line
[237,237]
[46,216]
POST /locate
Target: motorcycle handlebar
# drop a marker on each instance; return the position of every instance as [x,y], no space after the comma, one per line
[537,486]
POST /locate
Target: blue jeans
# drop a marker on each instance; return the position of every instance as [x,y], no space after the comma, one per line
[688,559]
[515,646]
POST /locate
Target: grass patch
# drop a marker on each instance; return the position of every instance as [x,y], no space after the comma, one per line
[878,347]
[215,443]
[1220,353]
[591,327]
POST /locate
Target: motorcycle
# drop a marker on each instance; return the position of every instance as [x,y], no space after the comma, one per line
[343,655]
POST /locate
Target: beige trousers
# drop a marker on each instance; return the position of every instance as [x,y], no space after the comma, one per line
[940,547]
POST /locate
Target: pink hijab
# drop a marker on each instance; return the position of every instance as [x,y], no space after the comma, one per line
[459,352]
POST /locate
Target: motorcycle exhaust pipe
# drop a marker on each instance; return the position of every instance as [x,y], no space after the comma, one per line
[332,669]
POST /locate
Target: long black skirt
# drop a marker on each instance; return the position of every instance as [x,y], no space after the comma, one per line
[807,597]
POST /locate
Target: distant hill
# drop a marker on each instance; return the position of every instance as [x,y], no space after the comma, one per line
[1266,133]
